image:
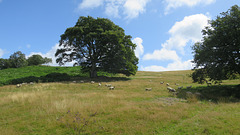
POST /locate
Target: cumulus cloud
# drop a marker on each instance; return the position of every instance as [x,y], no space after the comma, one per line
[162,54]
[139,49]
[181,33]
[172,4]
[115,8]
[177,65]
[189,29]
[1,51]
[51,54]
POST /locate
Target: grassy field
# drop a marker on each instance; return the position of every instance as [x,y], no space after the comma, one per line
[85,108]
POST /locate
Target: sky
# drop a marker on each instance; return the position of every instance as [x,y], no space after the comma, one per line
[163,30]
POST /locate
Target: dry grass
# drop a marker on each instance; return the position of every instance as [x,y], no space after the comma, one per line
[129,109]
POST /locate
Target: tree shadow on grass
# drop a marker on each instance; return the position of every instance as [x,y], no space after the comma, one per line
[220,93]
[64,77]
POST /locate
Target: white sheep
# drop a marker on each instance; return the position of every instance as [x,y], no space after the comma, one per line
[81,81]
[148,89]
[92,82]
[171,89]
[99,84]
[111,88]
[31,83]
[167,84]
[108,85]
[176,84]
[161,82]
[19,85]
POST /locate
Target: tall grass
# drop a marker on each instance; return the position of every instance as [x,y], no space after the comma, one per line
[85,108]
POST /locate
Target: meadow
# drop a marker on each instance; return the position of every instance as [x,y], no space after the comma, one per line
[69,107]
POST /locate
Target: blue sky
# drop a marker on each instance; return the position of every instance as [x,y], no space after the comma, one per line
[164,30]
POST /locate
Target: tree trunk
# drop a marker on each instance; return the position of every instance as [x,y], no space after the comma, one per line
[93,72]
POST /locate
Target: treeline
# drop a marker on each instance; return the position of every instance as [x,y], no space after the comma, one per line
[18,59]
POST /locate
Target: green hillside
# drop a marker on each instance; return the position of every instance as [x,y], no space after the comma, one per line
[87,108]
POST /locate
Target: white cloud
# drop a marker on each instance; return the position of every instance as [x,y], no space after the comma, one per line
[90,4]
[189,29]
[182,32]
[28,46]
[132,8]
[139,49]
[114,8]
[172,4]
[51,54]
[1,51]
[162,55]
[177,65]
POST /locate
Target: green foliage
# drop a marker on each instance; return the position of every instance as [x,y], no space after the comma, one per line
[217,57]
[98,45]
[18,60]
[4,64]
[38,60]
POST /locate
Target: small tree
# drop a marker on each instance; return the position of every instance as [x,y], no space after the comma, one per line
[4,64]
[98,45]
[217,57]
[38,60]
[18,59]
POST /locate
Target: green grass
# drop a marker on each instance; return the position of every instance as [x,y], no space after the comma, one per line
[85,108]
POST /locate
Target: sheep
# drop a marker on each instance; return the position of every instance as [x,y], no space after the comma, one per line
[167,84]
[108,85]
[19,85]
[112,88]
[162,82]
[171,89]
[92,82]
[189,87]
[31,83]
[99,84]
[176,84]
[81,81]
[180,87]
[148,89]
[74,81]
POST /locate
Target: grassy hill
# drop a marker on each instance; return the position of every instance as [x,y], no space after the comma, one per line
[85,108]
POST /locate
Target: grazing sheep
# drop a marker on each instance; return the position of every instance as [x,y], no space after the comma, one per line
[161,82]
[167,84]
[176,84]
[31,83]
[19,85]
[112,88]
[189,87]
[148,89]
[99,84]
[180,87]
[92,82]
[81,81]
[108,85]
[74,81]
[171,89]
[150,80]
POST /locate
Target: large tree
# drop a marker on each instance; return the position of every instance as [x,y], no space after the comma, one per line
[217,56]
[98,45]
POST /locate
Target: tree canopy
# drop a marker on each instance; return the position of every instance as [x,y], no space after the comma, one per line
[217,56]
[98,45]
[38,60]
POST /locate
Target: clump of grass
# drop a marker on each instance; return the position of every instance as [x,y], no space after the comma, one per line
[77,122]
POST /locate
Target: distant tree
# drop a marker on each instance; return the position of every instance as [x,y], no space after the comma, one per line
[98,45]
[217,57]
[4,64]
[37,59]
[18,59]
